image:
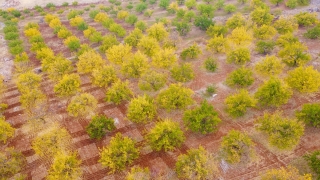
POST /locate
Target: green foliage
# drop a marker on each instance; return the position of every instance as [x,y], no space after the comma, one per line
[210,90]
[65,167]
[11,162]
[237,146]
[183,28]
[206,10]
[197,164]
[138,173]
[148,46]
[118,92]
[141,109]
[141,7]
[72,14]
[175,97]
[285,25]
[219,4]
[203,119]
[241,77]
[294,54]
[292,3]
[211,64]
[11,36]
[121,151]
[6,131]
[107,42]
[240,56]
[203,22]
[265,47]
[82,105]
[152,81]
[183,73]
[192,52]
[53,141]
[136,65]
[273,93]
[190,4]
[269,66]
[313,33]
[82,26]
[282,132]
[238,103]
[99,126]
[306,19]
[230,8]
[309,114]
[69,85]
[73,43]
[164,4]
[93,13]
[276,2]
[314,161]
[16,50]
[264,32]
[165,135]
[303,2]
[117,29]
[131,19]
[261,16]
[304,79]
[140,25]
[216,30]
[105,76]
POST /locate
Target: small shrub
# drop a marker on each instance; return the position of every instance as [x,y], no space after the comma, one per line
[313,33]
[65,4]
[238,103]
[309,114]
[99,126]
[183,73]
[118,92]
[141,109]
[165,135]
[203,22]
[314,161]
[211,64]
[240,56]
[230,8]
[192,52]
[210,90]
[121,151]
[203,119]
[74,3]
[237,146]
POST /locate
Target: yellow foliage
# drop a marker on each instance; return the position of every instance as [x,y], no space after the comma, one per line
[218,44]
[119,53]
[32,32]
[76,21]
[88,32]
[122,14]
[58,68]
[44,53]
[64,33]
[68,85]
[32,99]
[157,31]
[304,79]
[6,131]
[89,61]
[240,36]
[55,23]
[28,81]
[164,58]
[52,141]
[174,6]
[100,17]
[10,9]
[149,46]
[135,65]
[285,173]
[104,76]
[71,39]
[49,17]
[82,105]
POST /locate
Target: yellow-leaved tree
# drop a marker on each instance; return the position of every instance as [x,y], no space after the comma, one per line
[119,53]
[89,61]
[304,79]
[105,76]
[164,58]
[69,85]
[157,31]
[6,131]
[240,36]
[148,46]
[136,65]
[82,105]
